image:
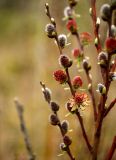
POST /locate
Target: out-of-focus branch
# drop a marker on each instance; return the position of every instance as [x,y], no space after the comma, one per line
[20,111]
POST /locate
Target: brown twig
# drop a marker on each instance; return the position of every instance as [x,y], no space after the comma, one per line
[81,121]
[92,94]
[24,130]
[106,81]
[79,117]
[79,42]
[96,29]
[100,118]
[87,74]
[96,32]
[112,150]
[47,10]
[84,132]
[56,38]
[59,125]
[69,82]
[73,94]
[68,148]
[113,68]
[88,77]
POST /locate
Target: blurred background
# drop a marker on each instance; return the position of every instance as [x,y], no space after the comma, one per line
[27,57]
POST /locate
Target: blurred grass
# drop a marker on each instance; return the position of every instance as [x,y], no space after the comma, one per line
[28,56]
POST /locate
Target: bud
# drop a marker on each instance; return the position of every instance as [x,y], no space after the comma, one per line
[62,39]
[105,12]
[67,140]
[63,147]
[110,44]
[96,41]
[65,61]
[50,30]
[54,119]
[47,5]
[112,76]
[77,82]
[65,126]
[47,94]
[53,21]
[54,106]
[101,89]
[73,3]
[102,59]
[72,26]
[89,87]
[90,11]
[98,23]
[47,9]
[68,12]
[86,65]
[60,76]
[76,53]
[69,107]
[113,31]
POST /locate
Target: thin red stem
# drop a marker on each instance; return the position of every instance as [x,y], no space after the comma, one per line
[79,117]
[92,95]
[84,132]
[69,83]
[68,148]
[88,78]
[110,107]
[112,150]
[105,76]
[60,127]
[96,29]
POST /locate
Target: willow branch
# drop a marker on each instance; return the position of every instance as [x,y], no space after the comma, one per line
[79,42]
[24,130]
[73,93]
[47,10]
[79,117]
[69,82]
[59,125]
[84,132]
[96,28]
[68,148]
[91,92]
